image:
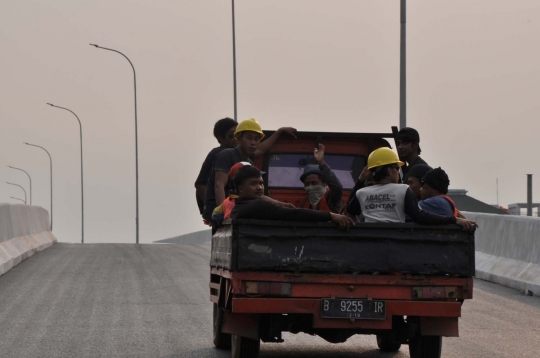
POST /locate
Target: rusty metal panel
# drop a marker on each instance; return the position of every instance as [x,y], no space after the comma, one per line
[255,245]
[221,255]
[262,305]
[363,249]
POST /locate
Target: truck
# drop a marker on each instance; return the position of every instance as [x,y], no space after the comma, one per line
[403,283]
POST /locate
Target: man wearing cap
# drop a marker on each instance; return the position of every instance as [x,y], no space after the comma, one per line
[434,189]
[248,134]
[414,179]
[323,187]
[408,148]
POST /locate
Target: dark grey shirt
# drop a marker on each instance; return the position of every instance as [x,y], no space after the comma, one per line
[223,163]
[405,169]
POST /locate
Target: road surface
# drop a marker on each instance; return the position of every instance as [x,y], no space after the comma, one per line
[122,300]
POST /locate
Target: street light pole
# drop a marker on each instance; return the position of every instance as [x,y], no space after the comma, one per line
[82,177]
[19,187]
[50,159]
[403,68]
[136,140]
[17,199]
[234,62]
[22,170]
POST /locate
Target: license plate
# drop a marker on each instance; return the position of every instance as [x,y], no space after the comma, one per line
[352,308]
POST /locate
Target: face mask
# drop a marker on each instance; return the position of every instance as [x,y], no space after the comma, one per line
[315,193]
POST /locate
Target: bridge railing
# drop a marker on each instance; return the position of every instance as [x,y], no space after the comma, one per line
[508,250]
[24,231]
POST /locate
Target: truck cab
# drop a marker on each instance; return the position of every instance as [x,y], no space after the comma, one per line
[403,283]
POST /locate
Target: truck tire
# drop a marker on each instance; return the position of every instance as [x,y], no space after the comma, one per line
[221,340]
[388,342]
[425,347]
[243,347]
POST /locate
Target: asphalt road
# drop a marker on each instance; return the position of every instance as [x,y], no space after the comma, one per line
[121,300]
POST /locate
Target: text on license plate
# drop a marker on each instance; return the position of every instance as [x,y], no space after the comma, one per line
[352,308]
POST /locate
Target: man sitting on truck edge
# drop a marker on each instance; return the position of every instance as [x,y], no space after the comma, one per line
[387,201]
[434,189]
[415,176]
[248,134]
[223,211]
[224,133]
[250,205]
[323,187]
[408,148]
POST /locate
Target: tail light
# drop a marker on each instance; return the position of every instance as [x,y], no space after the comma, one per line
[268,288]
[434,292]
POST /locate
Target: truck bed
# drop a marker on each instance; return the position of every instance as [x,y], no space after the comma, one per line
[277,246]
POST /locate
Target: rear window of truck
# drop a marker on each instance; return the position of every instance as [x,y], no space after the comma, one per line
[284,170]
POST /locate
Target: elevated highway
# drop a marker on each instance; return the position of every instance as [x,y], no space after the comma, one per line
[121,300]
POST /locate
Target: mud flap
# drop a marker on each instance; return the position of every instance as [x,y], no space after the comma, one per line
[244,325]
[439,326]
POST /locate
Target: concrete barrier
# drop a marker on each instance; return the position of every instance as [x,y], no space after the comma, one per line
[198,237]
[24,231]
[508,250]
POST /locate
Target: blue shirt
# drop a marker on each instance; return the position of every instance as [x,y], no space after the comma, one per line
[437,205]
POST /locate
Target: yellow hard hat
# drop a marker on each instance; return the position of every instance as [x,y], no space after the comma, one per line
[250,125]
[383,156]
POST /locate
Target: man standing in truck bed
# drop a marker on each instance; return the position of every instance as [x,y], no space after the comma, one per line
[408,148]
[248,134]
[224,132]
[323,187]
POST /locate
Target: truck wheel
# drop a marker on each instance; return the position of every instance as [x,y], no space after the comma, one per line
[425,347]
[388,342]
[221,340]
[243,347]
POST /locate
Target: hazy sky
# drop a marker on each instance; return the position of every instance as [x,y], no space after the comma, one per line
[473,78]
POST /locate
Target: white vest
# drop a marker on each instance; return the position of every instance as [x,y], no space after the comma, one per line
[383,203]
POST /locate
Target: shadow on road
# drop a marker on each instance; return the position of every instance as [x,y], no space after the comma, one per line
[317,353]
[208,352]
[295,352]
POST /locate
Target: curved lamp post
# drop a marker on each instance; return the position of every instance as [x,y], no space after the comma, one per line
[22,170]
[82,181]
[17,199]
[136,140]
[50,158]
[19,187]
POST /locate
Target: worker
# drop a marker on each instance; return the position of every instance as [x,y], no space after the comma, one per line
[224,133]
[434,189]
[223,211]
[387,201]
[414,179]
[250,205]
[323,187]
[248,134]
[408,148]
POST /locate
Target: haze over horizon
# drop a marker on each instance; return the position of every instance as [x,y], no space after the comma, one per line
[473,73]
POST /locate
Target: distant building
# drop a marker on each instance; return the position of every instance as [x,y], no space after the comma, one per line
[468,203]
[521,209]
